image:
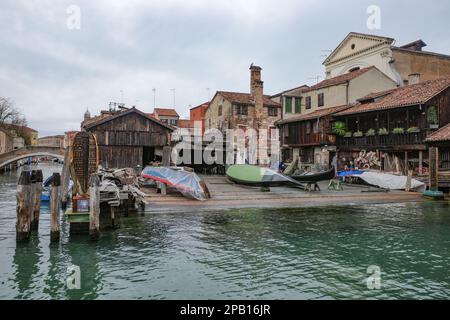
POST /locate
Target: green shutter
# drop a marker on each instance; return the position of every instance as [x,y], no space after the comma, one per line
[288,105]
[298,106]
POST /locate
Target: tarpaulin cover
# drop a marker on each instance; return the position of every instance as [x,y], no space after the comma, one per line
[390,181]
[188,183]
[349,173]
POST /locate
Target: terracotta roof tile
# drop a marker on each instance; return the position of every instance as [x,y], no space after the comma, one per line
[246,98]
[184,123]
[339,79]
[442,134]
[314,115]
[402,97]
[93,122]
[166,112]
[16,127]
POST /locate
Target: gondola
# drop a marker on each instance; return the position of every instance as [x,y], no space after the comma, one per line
[315,177]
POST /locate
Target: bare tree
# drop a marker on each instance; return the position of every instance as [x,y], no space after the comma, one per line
[8,112]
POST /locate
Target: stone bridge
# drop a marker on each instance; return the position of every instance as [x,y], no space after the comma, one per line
[30,151]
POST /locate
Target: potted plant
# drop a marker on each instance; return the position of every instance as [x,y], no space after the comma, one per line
[339,128]
[358,134]
[383,132]
[398,131]
[348,134]
[413,130]
[370,132]
[432,117]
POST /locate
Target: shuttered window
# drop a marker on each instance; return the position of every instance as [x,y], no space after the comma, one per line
[298,105]
[308,103]
[288,105]
[320,100]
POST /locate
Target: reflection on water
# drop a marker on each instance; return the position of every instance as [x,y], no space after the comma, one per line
[307,253]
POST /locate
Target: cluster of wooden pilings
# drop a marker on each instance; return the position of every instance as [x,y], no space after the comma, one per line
[29,191]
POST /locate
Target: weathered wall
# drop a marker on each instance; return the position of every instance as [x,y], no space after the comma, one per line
[212,118]
[371,81]
[428,66]
[6,143]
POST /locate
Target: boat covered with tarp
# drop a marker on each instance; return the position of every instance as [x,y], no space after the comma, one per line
[385,180]
[188,183]
[258,176]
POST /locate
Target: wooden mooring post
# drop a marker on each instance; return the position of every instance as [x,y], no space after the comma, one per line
[55,207]
[433,178]
[23,225]
[167,152]
[94,208]
[36,182]
[65,179]
[32,196]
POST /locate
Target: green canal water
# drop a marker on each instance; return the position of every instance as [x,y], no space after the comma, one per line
[307,253]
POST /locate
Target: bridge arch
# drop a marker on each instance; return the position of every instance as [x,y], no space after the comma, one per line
[31,151]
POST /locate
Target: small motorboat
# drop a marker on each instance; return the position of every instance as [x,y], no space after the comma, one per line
[188,183]
[259,176]
[433,194]
[315,177]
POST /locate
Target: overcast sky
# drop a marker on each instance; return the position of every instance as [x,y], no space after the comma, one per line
[53,73]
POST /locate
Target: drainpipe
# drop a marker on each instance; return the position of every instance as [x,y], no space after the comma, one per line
[347,85]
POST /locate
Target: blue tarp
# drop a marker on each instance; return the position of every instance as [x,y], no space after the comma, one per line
[349,173]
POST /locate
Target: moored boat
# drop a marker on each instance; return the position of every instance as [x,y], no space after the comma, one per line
[258,176]
[315,177]
[188,183]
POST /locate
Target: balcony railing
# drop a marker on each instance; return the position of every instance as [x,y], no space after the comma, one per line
[391,139]
[308,139]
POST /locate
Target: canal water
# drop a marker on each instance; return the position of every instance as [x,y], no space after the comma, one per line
[307,253]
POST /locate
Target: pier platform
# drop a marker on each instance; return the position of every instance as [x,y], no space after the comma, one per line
[228,195]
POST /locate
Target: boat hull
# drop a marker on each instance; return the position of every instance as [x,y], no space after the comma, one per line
[321,176]
[257,176]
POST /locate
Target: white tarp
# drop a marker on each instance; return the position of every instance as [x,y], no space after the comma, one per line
[390,181]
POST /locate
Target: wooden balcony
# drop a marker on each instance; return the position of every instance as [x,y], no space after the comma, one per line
[400,141]
[312,139]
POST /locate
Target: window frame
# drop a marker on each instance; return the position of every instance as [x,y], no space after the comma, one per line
[320,99]
[298,105]
[274,112]
[286,99]
[308,102]
[241,110]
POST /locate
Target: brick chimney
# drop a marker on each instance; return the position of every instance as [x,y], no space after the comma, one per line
[256,87]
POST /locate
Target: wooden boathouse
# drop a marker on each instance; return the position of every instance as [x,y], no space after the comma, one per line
[128,138]
[439,150]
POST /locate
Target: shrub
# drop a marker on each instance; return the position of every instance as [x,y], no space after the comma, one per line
[348,134]
[370,133]
[383,132]
[413,130]
[339,128]
[358,134]
[398,131]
